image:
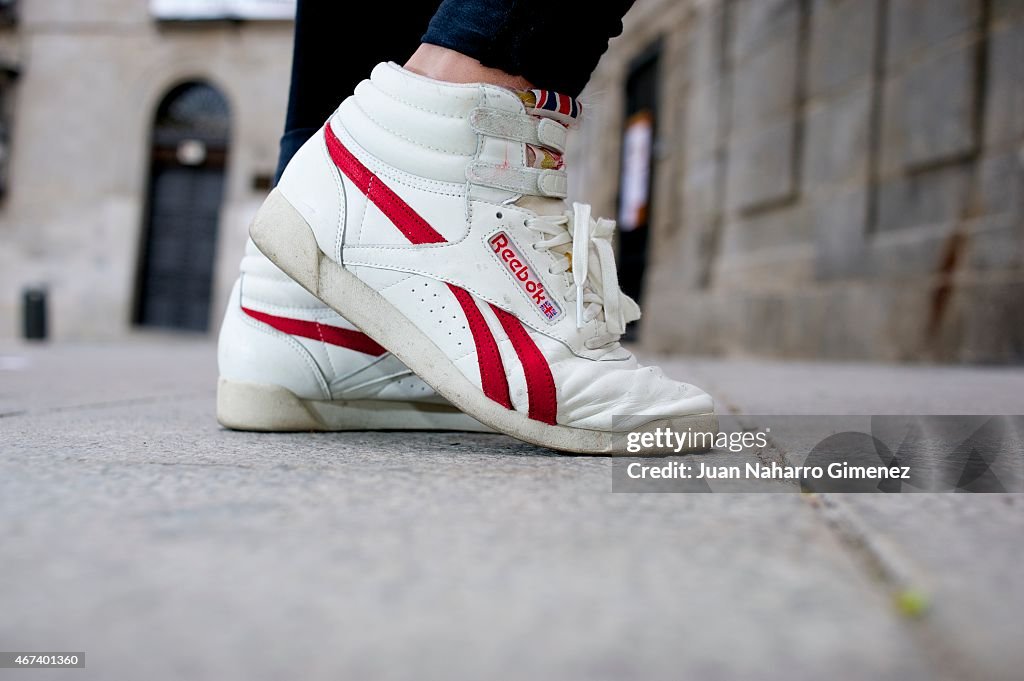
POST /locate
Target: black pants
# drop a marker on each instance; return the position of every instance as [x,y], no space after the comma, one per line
[555,44]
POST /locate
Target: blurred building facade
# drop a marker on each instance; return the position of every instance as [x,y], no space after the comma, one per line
[797,178]
[137,142]
[829,178]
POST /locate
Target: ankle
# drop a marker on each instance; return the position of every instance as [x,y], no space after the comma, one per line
[450,66]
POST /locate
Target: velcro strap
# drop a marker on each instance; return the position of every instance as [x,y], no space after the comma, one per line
[552,134]
[519,128]
[553,183]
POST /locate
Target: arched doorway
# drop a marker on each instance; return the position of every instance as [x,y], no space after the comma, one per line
[186,187]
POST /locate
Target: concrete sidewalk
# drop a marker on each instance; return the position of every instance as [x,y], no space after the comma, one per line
[135,529]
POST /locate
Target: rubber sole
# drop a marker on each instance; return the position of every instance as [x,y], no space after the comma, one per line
[283,235]
[273,409]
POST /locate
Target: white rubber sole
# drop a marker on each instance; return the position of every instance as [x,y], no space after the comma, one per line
[273,409]
[282,234]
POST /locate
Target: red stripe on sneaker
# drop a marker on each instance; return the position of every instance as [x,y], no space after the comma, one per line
[332,335]
[540,384]
[493,377]
[415,228]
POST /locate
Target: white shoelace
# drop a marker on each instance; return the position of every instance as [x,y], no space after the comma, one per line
[596,287]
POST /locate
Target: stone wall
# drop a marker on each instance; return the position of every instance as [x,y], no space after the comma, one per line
[834,178]
[92,75]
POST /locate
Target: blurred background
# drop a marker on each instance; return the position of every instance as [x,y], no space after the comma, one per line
[838,179]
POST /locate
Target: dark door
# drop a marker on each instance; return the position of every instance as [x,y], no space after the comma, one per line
[186,189]
[639,142]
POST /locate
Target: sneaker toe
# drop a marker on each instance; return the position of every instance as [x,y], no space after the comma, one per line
[626,397]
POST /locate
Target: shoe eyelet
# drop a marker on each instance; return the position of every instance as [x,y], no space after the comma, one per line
[498,215]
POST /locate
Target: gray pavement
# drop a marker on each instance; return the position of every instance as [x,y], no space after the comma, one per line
[134,528]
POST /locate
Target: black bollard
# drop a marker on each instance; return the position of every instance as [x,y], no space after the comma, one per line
[34,311]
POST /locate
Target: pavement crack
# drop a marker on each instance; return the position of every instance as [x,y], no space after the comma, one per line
[902,583]
[192,464]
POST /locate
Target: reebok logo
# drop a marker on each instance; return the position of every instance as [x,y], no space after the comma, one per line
[509,255]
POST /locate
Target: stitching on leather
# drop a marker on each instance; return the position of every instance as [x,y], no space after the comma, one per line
[504,343]
[386,176]
[303,353]
[492,371]
[323,343]
[339,379]
[395,174]
[390,286]
[292,306]
[413,106]
[552,332]
[402,207]
[362,215]
[526,348]
[335,172]
[383,173]
[468,353]
[320,312]
[406,138]
[285,308]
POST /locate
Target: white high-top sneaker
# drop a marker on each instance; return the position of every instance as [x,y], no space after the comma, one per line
[432,216]
[288,362]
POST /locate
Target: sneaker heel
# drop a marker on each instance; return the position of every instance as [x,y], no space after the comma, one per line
[284,236]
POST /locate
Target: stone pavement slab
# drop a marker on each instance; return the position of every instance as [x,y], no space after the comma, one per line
[963,551]
[136,529]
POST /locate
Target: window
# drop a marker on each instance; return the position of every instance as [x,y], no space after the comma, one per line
[8,76]
[210,10]
[191,133]
[8,12]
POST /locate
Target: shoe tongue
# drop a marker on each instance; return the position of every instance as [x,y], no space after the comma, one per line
[550,104]
[542,205]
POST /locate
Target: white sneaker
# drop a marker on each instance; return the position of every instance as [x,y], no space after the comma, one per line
[432,216]
[288,362]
